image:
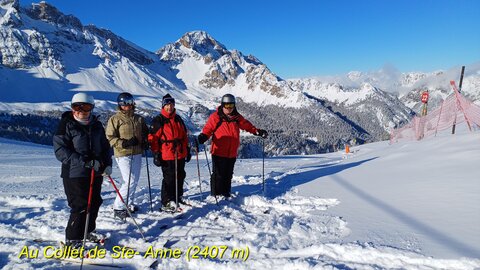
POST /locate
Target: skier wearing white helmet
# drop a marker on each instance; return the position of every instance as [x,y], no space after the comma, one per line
[82,147]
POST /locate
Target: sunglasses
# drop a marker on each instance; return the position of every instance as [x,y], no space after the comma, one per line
[82,107]
[128,102]
[229,105]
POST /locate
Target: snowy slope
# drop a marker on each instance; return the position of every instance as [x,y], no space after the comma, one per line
[410,205]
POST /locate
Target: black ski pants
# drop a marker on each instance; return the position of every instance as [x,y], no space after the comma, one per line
[168,183]
[77,190]
[221,181]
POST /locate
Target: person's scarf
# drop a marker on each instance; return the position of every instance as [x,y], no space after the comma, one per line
[83,121]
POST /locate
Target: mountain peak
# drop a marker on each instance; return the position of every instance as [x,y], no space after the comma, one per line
[203,43]
[9,12]
[13,3]
[46,12]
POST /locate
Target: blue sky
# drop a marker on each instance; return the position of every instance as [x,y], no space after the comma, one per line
[304,38]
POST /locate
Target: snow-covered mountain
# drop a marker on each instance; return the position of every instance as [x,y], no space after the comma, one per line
[55,54]
[409,86]
[47,55]
[438,86]
[203,62]
[363,105]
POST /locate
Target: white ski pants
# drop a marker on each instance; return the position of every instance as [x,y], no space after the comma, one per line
[124,165]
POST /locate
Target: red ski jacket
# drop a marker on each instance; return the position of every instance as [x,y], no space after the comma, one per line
[168,132]
[226,137]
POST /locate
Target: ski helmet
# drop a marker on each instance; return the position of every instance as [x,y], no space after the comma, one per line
[82,98]
[125,99]
[228,98]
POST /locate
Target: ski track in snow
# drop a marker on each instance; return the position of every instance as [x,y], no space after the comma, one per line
[282,229]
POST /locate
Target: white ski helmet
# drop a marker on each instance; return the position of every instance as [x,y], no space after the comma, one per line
[83,98]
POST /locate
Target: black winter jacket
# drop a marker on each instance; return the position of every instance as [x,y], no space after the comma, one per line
[76,144]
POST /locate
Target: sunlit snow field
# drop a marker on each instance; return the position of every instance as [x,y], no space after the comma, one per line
[413,205]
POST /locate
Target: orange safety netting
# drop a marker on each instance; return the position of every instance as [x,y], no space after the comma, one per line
[455,109]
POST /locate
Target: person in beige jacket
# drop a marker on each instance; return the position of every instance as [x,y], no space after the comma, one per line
[127,134]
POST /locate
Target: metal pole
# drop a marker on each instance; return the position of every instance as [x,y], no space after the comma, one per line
[176,178]
[128,210]
[198,170]
[456,104]
[89,203]
[129,177]
[263,165]
[148,177]
[210,172]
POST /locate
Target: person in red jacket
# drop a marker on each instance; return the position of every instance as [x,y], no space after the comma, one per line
[224,125]
[169,144]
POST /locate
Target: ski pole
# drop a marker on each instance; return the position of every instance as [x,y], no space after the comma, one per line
[263,165]
[198,170]
[129,177]
[89,203]
[148,177]
[128,210]
[176,178]
[210,172]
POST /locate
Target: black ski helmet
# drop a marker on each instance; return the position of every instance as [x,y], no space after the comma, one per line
[125,99]
[228,98]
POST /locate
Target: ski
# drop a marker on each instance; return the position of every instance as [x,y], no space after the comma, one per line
[88,246]
[38,240]
[88,262]
[186,204]
[178,210]
[100,242]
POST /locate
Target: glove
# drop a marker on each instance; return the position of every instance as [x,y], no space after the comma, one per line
[130,142]
[157,159]
[202,138]
[262,133]
[189,155]
[107,171]
[95,164]
[195,145]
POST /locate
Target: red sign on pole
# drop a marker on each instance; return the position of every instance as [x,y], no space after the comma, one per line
[425,97]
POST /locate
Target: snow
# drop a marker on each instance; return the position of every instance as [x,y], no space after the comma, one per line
[410,205]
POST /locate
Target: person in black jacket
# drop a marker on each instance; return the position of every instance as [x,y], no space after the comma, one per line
[81,145]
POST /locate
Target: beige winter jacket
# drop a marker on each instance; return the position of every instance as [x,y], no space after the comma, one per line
[123,126]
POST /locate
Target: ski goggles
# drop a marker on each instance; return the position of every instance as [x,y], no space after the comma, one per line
[82,107]
[229,105]
[127,102]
